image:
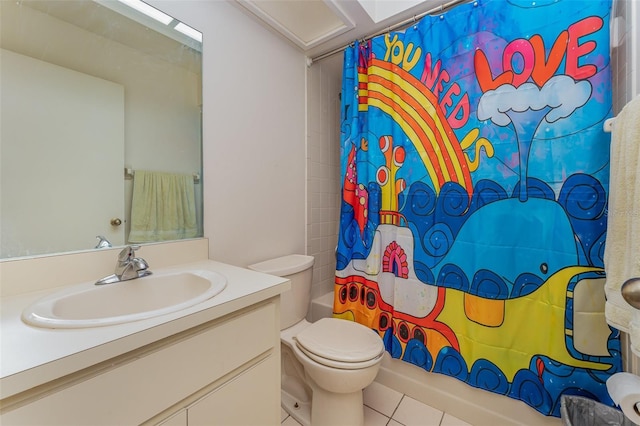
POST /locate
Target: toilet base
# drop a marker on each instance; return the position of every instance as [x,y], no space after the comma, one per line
[346,409]
[299,410]
[305,382]
[296,394]
[337,409]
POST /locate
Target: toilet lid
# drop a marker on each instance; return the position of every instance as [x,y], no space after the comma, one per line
[340,340]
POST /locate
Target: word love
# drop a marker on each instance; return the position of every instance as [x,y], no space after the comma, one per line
[532,62]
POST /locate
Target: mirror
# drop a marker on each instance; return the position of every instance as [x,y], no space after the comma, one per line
[91,91]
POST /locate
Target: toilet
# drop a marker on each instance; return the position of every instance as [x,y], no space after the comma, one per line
[326,364]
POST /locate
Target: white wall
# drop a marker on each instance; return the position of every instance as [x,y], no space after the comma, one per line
[254,141]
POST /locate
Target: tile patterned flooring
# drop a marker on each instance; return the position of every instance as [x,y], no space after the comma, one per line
[384,406]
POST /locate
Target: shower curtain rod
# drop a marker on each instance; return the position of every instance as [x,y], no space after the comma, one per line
[394,27]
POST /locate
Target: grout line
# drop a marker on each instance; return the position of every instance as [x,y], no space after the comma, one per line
[377,411]
[396,409]
[396,422]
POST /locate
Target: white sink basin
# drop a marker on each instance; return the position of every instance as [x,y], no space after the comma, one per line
[90,305]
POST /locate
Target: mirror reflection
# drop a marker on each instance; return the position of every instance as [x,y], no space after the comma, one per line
[100,126]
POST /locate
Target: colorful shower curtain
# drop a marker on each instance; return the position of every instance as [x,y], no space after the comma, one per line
[475,180]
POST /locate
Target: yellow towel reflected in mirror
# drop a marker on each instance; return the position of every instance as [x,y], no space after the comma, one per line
[163,207]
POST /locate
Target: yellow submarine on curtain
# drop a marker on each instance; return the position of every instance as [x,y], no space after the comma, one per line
[475,178]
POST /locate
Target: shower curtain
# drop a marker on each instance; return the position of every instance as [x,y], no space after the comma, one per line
[475,178]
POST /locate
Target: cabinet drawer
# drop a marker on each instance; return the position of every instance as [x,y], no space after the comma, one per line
[178,419]
[247,399]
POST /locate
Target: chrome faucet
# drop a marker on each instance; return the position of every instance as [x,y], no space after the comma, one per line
[102,243]
[128,267]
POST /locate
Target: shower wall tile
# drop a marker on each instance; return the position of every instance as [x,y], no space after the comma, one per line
[323,169]
[314,100]
[624,52]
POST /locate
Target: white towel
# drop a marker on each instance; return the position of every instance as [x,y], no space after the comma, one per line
[622,248]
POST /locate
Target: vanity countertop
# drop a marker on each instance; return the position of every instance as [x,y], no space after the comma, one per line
[31,356]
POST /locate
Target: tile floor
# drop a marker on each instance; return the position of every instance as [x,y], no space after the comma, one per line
[384,406]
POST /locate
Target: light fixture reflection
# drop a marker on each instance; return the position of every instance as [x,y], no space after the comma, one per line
[163,18]
[150,11]
[189,32]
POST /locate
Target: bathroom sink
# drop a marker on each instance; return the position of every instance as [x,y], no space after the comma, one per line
[90,305]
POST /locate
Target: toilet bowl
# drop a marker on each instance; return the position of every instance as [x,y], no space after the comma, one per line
[326,364]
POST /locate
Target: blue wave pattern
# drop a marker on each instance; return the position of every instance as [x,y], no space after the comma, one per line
[436,221]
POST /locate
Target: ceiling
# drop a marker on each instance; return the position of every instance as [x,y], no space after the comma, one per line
[320,26]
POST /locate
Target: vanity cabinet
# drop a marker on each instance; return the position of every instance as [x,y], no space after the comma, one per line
[178,419]
[241,401]
[223,372]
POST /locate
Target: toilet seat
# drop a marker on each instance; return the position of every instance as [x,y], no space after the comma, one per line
[340,344]
[340,365]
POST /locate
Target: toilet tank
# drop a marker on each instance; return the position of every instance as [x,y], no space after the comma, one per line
[298,268]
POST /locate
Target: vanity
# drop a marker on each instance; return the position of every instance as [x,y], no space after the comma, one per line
[217,362]
[213,362]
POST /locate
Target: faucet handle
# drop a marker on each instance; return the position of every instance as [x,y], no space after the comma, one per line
[140,264]
[128,253]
